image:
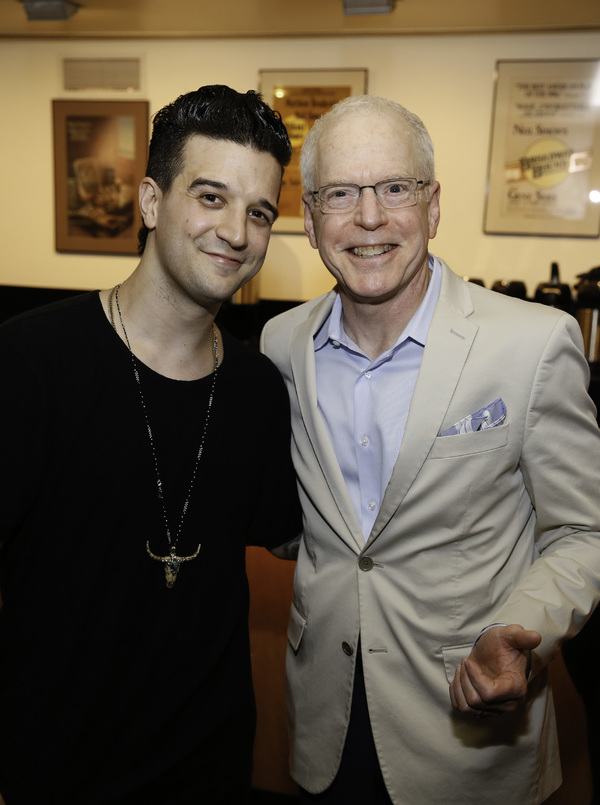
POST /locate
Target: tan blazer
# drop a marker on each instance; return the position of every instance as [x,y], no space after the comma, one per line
[499,525]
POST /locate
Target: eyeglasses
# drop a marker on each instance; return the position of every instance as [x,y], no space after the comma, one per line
[392,193]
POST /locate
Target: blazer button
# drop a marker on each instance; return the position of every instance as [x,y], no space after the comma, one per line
[365,563]
[347,649]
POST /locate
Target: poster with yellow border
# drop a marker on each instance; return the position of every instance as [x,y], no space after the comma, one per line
[300,97]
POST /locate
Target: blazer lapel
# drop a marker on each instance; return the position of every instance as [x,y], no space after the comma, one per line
[345,520]
[449,342]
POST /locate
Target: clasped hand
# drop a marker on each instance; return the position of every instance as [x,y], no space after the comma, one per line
[493,679]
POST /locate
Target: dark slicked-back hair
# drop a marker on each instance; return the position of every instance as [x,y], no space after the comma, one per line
[220,113]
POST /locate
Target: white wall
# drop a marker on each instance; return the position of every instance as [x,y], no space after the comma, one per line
[447,80]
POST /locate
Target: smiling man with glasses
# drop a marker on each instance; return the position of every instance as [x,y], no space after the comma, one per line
[444,441]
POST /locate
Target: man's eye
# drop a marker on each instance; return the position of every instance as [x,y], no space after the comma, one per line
[336,192]
[211,198]
[261,217]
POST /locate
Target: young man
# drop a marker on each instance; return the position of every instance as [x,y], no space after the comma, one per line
[448,459]
[143,449]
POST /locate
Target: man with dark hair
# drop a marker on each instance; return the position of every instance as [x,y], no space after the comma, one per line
[143,449]
[211,111]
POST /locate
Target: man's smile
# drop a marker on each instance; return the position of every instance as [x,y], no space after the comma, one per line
[227,260]
[372,251]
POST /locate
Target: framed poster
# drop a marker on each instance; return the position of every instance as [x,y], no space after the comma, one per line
[301,96]
[100,150]
[544,165]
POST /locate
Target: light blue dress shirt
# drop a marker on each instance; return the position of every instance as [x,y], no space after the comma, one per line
[365,403]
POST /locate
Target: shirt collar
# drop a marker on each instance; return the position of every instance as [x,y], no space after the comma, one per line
[332,331]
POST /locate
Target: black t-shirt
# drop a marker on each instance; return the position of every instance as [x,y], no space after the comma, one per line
[110,683]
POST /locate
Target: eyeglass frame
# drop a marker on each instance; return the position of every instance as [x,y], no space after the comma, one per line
[373,187]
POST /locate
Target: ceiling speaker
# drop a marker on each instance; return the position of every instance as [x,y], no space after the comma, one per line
[368,6]
[49,9]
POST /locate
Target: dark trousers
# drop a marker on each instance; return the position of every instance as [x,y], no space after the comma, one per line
[359,780]
[582,658]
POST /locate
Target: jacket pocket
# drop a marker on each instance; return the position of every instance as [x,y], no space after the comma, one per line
[470,443]
[452,656]
[295,627]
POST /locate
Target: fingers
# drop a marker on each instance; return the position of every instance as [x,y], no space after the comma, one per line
[476,696]
[463,694]
[526,639]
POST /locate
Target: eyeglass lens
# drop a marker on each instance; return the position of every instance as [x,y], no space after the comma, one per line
[392,193]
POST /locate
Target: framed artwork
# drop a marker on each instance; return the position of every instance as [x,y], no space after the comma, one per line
[301,96]
[544,164]
[100,151]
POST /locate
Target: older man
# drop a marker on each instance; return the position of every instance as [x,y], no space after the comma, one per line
[448,460]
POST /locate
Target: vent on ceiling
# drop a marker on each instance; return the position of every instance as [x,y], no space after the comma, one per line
[368,6]
[113,74]
[49,9]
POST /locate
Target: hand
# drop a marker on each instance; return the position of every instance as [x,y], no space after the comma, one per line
[289,550]
[493,679]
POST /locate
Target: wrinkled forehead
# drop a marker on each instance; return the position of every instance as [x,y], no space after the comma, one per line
[364,147]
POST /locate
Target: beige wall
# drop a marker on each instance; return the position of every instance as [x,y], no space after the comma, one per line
[448,80]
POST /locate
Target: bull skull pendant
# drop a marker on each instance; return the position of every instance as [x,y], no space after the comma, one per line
[172,562]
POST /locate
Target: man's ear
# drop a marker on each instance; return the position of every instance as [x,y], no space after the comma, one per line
[434,209]
[309,221]
[150,196]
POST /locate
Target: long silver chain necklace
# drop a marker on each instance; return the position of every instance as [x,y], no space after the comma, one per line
[172,562]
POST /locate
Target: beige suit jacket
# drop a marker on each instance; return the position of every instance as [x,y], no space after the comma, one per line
[500,525]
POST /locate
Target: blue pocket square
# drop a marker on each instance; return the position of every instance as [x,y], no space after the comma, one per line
[489,417]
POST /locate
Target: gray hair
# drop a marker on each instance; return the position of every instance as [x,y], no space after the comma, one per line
[357,104]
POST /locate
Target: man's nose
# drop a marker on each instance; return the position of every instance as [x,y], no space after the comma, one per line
[233,228]
[370,212]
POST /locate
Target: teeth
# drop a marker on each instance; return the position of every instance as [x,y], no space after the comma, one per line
[371,251]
